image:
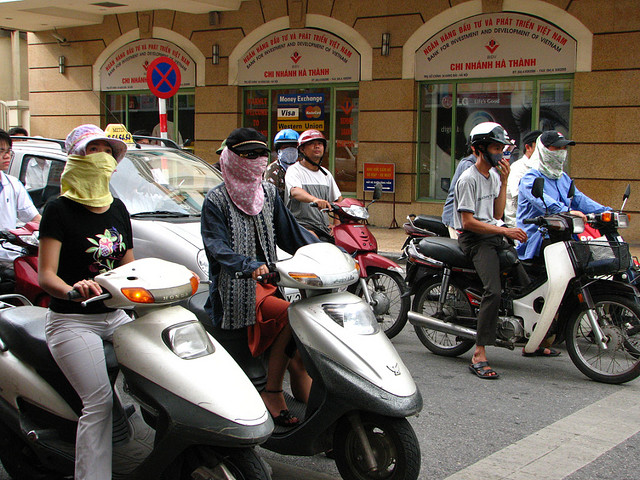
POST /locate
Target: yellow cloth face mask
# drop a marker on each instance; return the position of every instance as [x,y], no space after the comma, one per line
[85,179]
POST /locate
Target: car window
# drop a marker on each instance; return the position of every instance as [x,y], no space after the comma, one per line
[41,177]
[163,181]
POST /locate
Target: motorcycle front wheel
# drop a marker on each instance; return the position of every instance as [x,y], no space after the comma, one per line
[235,463]
[618,318]
[456,303]
[386,289]
[394,445]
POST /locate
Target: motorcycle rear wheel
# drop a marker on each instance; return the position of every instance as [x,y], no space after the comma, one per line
[241,463]
[387,287]
[394,444]
[618,318]
[425,302]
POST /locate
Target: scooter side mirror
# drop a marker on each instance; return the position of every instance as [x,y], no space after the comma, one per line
[377,191]
[537,189]
[445,184]
[625,197]
[572,190]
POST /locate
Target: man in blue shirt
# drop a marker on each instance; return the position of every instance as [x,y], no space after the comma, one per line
[552,152]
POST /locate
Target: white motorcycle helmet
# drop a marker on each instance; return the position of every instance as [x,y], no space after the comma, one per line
[486,133]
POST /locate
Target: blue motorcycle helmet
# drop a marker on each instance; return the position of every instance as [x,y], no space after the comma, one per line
[285,144]
[286,136]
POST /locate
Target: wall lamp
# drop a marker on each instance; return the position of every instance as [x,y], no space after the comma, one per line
[61,64]
[384,47]
[215,54]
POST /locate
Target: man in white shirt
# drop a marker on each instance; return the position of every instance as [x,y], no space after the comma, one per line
[306,182]
[15,201]
[37,173]
[518,169]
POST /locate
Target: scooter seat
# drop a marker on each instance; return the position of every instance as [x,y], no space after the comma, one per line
[445,250]
[433,223]
[449,252]
[22,331]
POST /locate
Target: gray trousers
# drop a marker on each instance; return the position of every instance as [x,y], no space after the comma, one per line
[75,342]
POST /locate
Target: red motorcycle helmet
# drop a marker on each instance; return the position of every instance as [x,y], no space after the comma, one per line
[310,135]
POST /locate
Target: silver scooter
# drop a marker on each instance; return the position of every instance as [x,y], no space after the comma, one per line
[190,410]
[362,392]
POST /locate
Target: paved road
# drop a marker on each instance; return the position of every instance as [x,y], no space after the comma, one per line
[543,419]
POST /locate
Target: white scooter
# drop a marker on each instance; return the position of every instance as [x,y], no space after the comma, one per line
[361,391]
[194,414]
[572,294]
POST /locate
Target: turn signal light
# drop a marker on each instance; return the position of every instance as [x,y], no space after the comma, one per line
[138,295]
[606,216]
[310,279]
[195,281]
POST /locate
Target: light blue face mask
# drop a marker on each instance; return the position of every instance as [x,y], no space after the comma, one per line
[287,156]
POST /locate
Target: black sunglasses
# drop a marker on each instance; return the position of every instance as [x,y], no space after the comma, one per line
[253,154]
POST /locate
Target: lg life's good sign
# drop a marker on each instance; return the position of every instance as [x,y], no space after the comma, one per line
[496,45]
[299,56]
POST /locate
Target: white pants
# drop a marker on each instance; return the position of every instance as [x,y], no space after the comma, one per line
[75,341]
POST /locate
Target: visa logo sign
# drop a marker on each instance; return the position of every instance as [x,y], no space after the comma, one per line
[288,113]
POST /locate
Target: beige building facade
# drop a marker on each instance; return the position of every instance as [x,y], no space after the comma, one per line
[388,82]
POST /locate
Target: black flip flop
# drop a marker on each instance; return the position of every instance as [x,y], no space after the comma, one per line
[481,372]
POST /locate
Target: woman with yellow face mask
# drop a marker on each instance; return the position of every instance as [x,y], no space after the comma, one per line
[85,232]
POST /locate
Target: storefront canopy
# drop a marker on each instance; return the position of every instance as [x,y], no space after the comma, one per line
[38,15]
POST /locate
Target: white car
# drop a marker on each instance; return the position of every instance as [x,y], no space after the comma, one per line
[162,187]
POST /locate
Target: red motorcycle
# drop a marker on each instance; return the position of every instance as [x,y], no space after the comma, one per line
[25,241]
[381,281]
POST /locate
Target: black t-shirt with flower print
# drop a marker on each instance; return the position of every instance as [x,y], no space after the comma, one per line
[92,243]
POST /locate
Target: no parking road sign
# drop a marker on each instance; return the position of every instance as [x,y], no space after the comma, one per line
[163,77]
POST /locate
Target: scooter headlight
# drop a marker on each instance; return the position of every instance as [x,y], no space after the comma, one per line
[356,211]
[203,262]
[188,340]
[578,224]
[623,220]
[355,317]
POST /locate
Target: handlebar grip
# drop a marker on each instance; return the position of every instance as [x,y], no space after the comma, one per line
[271,278]
[313,204]
[73,294]
[531,221]
[243,276]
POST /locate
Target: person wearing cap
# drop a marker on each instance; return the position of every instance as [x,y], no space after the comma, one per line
[16,203]
[285,143]
[551,151]
[243,220]
[308,182]
[83,233]
[518,169]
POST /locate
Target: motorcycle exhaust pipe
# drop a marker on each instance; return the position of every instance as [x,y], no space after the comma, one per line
[440,325]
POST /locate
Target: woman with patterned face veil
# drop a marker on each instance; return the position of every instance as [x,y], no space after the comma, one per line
[243,220]
[83,233]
